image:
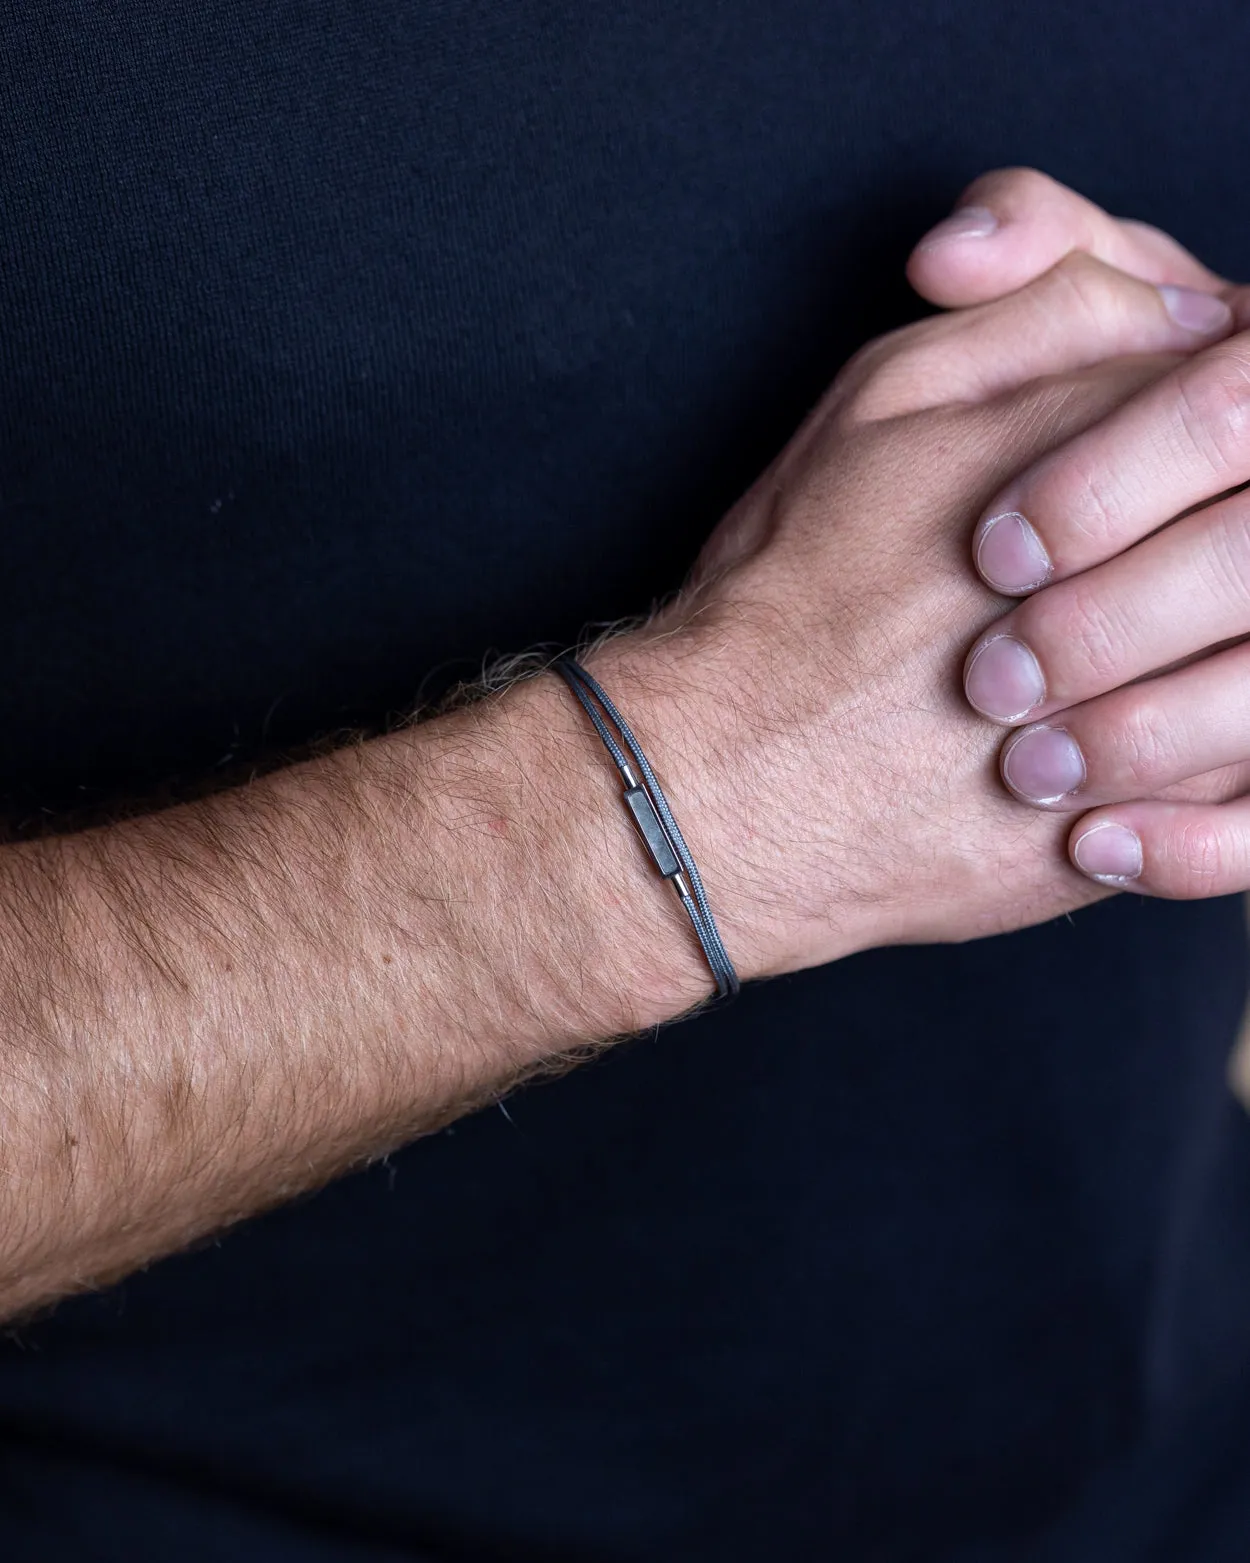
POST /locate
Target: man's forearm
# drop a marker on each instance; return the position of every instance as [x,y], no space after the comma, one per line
[210,1009]
[207,1010]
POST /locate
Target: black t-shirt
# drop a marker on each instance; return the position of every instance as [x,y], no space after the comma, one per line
[343,341]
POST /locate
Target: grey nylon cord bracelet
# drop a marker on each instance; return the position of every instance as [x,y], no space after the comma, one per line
[648,807]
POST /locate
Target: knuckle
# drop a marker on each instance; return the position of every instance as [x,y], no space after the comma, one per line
[1091,638]
[1229,552]
[1083,272]
[1019,185]
[883,378]
[1213,406]
[1218,786]
[1145,747]
[1084,286]
[857,381]
[1081,490]
[1201,852]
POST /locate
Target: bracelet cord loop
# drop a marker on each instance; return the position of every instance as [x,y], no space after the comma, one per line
[645,800]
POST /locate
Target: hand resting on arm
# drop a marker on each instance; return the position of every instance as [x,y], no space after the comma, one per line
[1132,546]
[210,1009]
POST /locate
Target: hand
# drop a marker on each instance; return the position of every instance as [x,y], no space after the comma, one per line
[1013,224]
[1175,740]
[838,792]
[216,1006]
[1128,601]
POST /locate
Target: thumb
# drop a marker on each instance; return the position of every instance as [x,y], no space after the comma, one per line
[1013,224]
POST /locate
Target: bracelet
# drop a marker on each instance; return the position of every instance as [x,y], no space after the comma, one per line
[645,800]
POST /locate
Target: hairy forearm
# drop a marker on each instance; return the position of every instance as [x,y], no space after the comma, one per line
[207,1010]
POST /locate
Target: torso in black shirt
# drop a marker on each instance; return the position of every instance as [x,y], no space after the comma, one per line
[344,341]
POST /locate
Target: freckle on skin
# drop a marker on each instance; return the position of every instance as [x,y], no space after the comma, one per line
[387,959]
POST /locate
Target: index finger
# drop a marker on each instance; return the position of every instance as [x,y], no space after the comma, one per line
[1177,444]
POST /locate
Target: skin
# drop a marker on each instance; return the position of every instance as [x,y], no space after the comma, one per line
[210,1009]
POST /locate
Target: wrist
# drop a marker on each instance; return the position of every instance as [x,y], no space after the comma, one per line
[728,779]
[607,948]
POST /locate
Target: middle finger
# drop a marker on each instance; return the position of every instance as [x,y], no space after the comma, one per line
[1176,444]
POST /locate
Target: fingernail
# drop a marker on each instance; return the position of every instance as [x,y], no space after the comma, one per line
[1109,853]
[969,222]
[1003,679]
[1196,311]
[1043,765]
[1010,555]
